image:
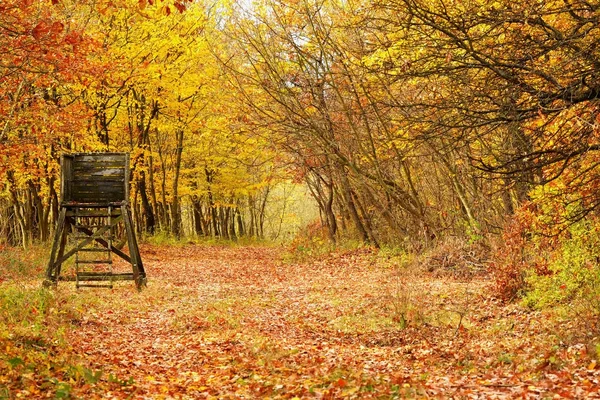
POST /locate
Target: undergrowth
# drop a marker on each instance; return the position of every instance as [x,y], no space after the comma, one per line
[553,268]
[570,284]
[313,243]
[17,264]
[34,325]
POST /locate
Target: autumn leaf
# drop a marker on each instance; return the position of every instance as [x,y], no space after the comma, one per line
[41,29]
[179,6]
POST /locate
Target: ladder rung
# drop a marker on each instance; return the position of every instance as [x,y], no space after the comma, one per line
[95,249]
[94,261]
[89,236]
[94,273]
[103,276]
[92,285]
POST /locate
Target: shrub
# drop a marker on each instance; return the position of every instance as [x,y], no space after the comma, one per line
[310,242]
[573,272]
[457,258]
[522,250]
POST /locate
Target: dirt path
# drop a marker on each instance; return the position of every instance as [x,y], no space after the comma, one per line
[218,322]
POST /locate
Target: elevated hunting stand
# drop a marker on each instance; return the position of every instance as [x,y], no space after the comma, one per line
[94,202]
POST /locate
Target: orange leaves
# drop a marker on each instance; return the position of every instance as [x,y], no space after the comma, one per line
[40,30]
[341,383]
[24,4]
[45,58]
[44,29]
[73,38]
[143,3]
[179,6]
[234,322]
[165,9]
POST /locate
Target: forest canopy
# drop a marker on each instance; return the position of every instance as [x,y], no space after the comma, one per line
[407,120]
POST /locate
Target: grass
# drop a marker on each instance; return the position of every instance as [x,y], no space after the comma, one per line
[18,265]
[163,238]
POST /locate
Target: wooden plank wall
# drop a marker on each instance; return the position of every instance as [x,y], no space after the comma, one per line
[96,178]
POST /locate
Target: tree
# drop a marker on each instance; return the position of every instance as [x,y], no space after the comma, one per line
[514,82]
[42,74]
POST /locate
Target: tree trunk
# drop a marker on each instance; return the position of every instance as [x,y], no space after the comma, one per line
[347,191]
[175,208]
[151,184]
[149,220]
[198,217]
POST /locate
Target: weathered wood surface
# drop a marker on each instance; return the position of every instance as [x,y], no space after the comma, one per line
[87,240]
[92,213]
[101,178]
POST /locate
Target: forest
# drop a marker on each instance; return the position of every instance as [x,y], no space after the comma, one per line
[401,157]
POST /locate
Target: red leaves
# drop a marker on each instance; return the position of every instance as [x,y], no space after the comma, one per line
[44,29]
[23,4]
[73,38]
[57,28]
[40,30]
[179,6]
[341,383]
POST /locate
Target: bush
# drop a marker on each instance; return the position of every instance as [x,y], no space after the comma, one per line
[458,258]
[573,272]
[522,250]
[310,242]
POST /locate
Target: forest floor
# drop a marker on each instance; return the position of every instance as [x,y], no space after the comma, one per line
[240,322]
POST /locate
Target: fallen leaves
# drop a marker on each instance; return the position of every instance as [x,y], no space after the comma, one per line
[236,322]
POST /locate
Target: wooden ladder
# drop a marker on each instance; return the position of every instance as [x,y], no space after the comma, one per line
[94,228]
[101,255]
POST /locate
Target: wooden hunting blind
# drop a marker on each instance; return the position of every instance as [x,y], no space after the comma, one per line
[94,208]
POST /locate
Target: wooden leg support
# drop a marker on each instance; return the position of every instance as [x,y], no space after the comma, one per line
[59,255]
[139,274]
[58,249]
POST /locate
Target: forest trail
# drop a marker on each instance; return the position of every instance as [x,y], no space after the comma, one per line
[238,322]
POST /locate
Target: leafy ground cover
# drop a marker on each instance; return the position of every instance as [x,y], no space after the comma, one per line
[238,322]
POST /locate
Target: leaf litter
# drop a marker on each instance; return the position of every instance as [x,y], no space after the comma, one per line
[237,322]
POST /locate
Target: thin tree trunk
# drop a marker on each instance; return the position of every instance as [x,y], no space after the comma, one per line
[198,216]
[175,208]
[151,184]
[347,191]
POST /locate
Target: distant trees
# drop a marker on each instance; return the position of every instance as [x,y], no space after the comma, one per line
[417,119]
[139,78]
